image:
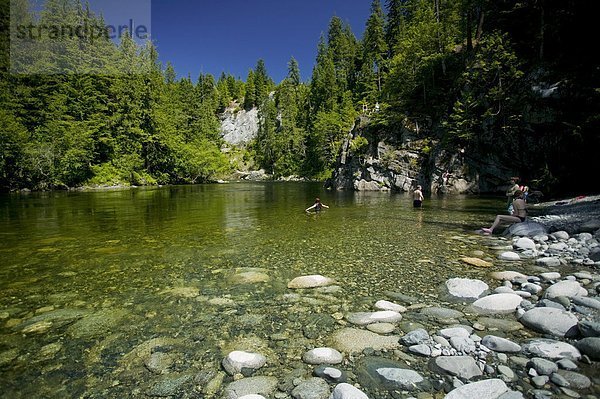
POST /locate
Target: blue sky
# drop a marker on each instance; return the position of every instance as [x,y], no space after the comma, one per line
[230,36]
[214,36]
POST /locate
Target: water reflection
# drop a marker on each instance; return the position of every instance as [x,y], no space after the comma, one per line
[96,274]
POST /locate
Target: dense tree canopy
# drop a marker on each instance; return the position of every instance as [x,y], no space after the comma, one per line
[469,71]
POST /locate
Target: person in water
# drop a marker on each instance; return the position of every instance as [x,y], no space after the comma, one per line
[418,197]
[317,206]
[519,213]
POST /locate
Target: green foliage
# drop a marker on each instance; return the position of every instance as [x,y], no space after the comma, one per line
[466,67]
[487,109]
[359,145]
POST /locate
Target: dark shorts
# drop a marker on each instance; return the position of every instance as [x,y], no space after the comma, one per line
[417,203]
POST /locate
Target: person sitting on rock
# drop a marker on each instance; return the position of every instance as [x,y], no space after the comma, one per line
[519,213]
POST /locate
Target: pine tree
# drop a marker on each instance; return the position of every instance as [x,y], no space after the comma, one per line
[250,90]
[262,83]
[399,13]
[293,75]
[374,44]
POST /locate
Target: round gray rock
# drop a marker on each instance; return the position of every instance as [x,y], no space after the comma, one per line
[559,323]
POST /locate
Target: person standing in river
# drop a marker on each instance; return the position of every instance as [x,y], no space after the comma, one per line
[317,206]
[519,213]
[418,197]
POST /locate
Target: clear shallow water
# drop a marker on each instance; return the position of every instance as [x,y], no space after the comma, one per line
[89,279]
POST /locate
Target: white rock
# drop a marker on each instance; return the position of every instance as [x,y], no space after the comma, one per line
[549,276]
[568,288]
[497,304]
[524,243]
[387,305]
[405,378]
[466,289]
[551,349]
[509,256]
[486,389]
[347,391]
[508,275]
[454,332]
[311,281]
[382,316]
[238,360]
[460,366]
[322,356]
[560,235]
[548,262]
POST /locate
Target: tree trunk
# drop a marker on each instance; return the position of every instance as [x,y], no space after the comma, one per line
[469,31]
[480,25]
[542,29]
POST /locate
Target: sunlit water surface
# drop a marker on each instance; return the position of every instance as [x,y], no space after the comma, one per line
[91,283]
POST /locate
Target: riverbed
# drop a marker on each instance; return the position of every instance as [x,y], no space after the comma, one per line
[92,284]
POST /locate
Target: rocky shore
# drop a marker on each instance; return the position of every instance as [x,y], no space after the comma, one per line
[531,335]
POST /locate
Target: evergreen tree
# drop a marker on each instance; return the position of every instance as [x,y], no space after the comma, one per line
[293,75]
[374,44]
[324,89]
[250,96]
[399,13]
[262,83]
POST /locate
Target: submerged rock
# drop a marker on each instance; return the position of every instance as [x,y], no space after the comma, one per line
[351,340]
[243,362]
[261,385]
[383,316]
[311,281]
[322,356]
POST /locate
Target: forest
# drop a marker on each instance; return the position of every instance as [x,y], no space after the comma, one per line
[514,82]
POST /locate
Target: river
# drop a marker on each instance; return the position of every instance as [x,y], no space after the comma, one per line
[89,279]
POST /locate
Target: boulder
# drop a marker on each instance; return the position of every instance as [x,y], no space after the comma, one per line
[485,389]
[464,289]
[347,391]
[552,321]
[566,288]
[526,229]
[459,366]
[589,346]
[550,349]
[496,304]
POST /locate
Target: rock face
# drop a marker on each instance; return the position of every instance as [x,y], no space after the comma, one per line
[238,126]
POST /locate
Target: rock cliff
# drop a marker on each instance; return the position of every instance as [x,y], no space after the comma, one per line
[238,126]
[401,158]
